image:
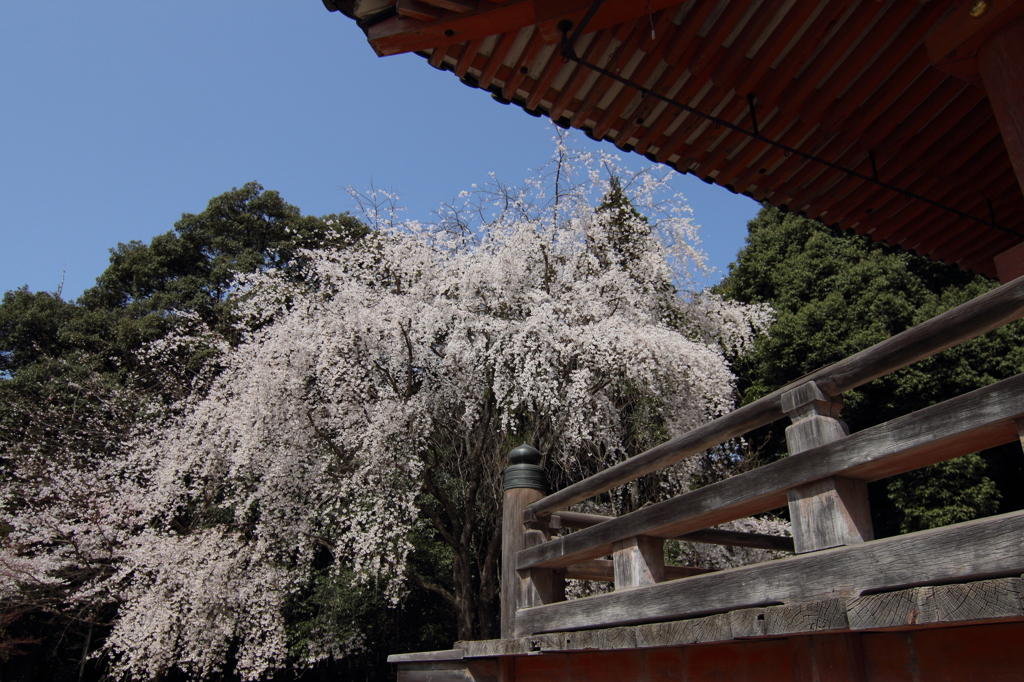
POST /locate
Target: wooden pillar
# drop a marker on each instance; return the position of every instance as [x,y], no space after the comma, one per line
[833,511]
[982,42]
[1010,264]
[1001,67]
[523,485]
[638,561]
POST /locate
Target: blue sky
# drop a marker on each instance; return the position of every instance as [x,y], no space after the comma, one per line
[116,117]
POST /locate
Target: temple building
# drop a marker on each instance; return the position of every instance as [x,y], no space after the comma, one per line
[901,120]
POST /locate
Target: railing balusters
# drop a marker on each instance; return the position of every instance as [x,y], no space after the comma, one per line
[833,511]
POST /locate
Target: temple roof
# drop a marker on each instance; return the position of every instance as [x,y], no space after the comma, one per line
[834,109]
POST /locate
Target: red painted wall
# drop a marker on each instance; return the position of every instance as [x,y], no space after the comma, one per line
[978,653]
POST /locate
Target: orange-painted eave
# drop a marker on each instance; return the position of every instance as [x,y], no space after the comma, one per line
[840,79]
[398,34]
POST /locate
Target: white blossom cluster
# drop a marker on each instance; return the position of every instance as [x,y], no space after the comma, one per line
[522,314]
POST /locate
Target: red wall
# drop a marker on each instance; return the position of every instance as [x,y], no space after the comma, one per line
[957,654]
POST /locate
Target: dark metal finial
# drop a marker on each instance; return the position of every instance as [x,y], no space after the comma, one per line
[524,469]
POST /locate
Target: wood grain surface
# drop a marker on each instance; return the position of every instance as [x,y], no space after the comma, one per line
[966,551]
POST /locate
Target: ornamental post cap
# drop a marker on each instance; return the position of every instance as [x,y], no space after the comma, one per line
[523,470]
[524,454]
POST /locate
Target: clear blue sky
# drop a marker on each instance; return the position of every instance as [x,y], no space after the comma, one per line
[118,116]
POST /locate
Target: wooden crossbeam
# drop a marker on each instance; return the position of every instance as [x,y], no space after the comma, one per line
[460,6]
[415,9]
[973,550]
[404,34]
[474,20]
[974,421]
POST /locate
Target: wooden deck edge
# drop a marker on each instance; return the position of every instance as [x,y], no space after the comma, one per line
[978,602]
[454,654]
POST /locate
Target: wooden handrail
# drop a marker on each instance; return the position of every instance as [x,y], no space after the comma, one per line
[974,421]
[962,323]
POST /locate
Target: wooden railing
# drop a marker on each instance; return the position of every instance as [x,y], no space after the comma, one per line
[823,481]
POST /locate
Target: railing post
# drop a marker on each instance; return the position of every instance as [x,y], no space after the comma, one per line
[833,511]
[539,585]
[524,483]
[638,561]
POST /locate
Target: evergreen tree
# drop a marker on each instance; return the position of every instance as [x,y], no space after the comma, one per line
[835,294]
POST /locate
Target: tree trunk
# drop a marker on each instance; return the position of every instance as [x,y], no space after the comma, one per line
[85,653]
[464,605]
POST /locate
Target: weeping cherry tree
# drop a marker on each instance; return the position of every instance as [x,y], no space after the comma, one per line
[380,393]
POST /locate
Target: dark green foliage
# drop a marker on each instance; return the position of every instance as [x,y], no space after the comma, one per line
[145,290]
[931,497]
[193,267]
[38,325]
[627,228]
[836,294]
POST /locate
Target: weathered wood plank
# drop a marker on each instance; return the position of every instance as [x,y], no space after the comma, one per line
[977,420]
[495,647]
[965,551]
[807,400]
[830,512]
[814,431]
[966,321]
[606,639]
[539,585]
[681,632]
[601,570]
[885,610]
[816,616]
[454,654]
[576,520]
[982,601]
[731,538]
